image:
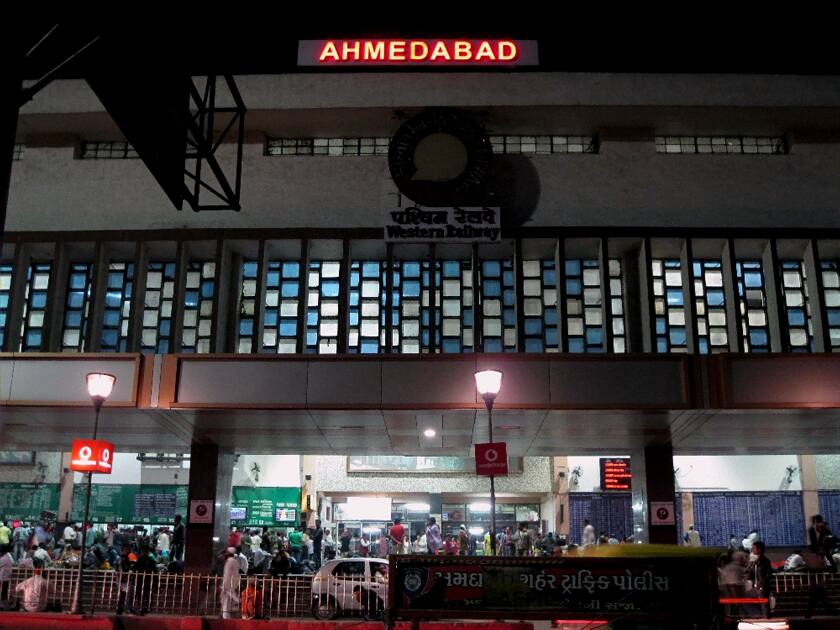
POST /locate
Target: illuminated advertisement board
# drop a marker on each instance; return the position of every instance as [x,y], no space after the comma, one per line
[615,474]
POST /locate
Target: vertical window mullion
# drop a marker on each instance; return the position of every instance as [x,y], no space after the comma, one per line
[176,327]
[734,318]
[560,270]
[689,304]
[519,294]
[77,306]
[344,297]
[816,297]
[300,342]
[606,294]
[389,298]
[259,298]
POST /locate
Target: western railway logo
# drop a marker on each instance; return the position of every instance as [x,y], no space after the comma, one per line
[417,52]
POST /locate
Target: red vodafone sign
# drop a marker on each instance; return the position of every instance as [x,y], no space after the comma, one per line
[92,456]
[491,459]
[417,52]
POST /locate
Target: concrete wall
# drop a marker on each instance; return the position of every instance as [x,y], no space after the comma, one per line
[332,476]
[46,469]
[724,473]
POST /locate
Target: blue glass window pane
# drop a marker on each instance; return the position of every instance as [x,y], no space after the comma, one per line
[468,317]
[164,328]
[424,317]
[369,347]
[354,298]
[704,345]
[312,339]
[291,269]
[330,288]
[33,339]
[834,317]
[491,268]
[662,345]
[452,269]
[572,267]
[715,297]
[660,326]
[163,346]
[533,327]
[573,287]
[796,317]
[312,318]
[677,336]
[411,269]
[509,317]
[697,269]
[112,318]
[78,281]
[288,328]
[509,298]
[411,288]
[272,278]
[4,301]
[675,297]
[109,338]
[191,299]
[551,316]
[550,278]
[246,327]
[492,288]
[270,319]
[492,345]
[76,299]
[112,299]
[594,336]
[758,338]
[289,289]
[73,319]
[115,280]
[39,300]
[552,337]
[354,318]
[451,345]
[533,345]
[371,270]
[249,269]
[576,345]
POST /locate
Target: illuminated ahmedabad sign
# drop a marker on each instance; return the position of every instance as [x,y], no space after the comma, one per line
[417,52]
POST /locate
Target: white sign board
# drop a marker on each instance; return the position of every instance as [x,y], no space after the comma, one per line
[413,224]
[201,512]
[662,513]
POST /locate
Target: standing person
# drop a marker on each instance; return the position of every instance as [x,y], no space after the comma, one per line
[6,564]
[296,543]
[488,549]
[522,538]
[354,544]
[383,545]
[306,544]
[178,536]
[692,537]
[463,541]
[588,537]
[763,576]
[364,546]
[235,538]
[396,535]
[821,541]
[126,564]
[69,535]
[230,584]
[256,541]
[329,545]
[433,541]
[450,547]
[163,544]
[242,561]
[19,537]
[422,545]
[344,540]
[317,543]
[5,533]
[146,566]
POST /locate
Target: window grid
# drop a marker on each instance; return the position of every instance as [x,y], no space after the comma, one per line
[247,306]
[199,287]
[584,314]
[366,328]
[497,300]
[544,145]
[721,144]
[539,288]
[117,311]
[619,328]
[157,309]
[6,271]
[797,306]
[108,151]
[17,155]
[411,306]
[35,307]
[77,307]
[322,307]
[752,304]
[282,305]
[710,304]
[669,305]
[831,296]
[456,301]
[328,146]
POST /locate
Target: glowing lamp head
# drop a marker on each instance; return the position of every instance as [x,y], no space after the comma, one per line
[430,433]
[488,383]
[100,385]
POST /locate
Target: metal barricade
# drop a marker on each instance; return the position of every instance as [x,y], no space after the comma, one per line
[169,594]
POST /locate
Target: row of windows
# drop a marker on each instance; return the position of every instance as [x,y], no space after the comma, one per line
[538,145]
[424,305]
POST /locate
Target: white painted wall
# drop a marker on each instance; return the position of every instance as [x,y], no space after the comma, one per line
[275,471]
[731,473]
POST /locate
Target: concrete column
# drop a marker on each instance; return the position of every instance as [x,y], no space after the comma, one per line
[652,481]
[687,505]
[810,489]
[205,542]
[560,486]
[65,488]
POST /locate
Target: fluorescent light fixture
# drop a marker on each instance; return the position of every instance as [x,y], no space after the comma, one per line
[430,433]
[372,530]
[476,531]
[417,507]
[480,507]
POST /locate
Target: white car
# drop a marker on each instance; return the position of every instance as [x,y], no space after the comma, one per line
[355,586]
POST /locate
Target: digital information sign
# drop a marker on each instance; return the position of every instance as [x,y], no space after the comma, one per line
[615,473]
[418,52]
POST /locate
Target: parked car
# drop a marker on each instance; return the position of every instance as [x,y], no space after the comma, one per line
[354,586]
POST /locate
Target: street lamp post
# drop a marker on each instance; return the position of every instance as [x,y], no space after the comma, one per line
[488,383]
[99,386]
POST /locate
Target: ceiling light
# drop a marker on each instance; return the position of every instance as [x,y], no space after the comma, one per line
[430,433]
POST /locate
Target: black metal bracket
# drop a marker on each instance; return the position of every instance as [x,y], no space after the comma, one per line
[206,185]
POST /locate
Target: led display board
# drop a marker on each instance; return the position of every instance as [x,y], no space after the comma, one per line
[615,474]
